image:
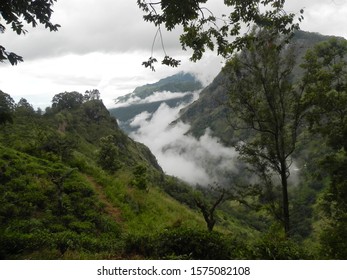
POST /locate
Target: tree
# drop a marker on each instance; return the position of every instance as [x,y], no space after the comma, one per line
[108,154]
[14,13]
[7,106]
[92,95]
[208,211]
[67,100]
[95,110]
[326,77]
[264,100]
[24,107]
[203,30]
[59,145]
[140,177]
[39,111]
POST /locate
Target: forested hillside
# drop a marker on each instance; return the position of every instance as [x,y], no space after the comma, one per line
[211,110]
[283,108]
[74,186]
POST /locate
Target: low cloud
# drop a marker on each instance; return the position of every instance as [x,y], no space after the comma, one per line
[155,97]
[200,161]
[204,161]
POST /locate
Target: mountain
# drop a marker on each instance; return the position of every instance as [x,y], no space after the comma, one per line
[173,91]
[210,111]
[74,186]
[181,82]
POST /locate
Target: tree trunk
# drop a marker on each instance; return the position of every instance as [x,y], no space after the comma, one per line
[210,224]
[285,206]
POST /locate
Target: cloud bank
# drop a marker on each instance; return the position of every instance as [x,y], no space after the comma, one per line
[204,161]
[89,26]
[110,26]
[200,161]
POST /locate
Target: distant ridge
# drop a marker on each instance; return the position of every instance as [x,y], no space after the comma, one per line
[173,90]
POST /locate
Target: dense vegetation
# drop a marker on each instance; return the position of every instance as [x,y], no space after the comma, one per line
[74,186]
[278,112]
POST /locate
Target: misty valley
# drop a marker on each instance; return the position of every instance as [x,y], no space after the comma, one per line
[250,166]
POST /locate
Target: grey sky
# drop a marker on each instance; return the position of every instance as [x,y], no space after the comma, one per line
[102,44]
[111,26]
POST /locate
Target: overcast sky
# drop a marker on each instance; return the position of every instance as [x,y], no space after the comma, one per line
[102,43]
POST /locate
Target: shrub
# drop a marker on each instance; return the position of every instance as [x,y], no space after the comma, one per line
[108,154]
[274,246]
[140,181]
[184,243]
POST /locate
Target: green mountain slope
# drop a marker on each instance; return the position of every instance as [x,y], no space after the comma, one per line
[62,197]
[209,111]
[42,217]
[181,82]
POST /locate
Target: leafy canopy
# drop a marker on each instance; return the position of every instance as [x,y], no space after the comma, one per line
[67,100]
[17,12]
[203,30]
[7,105]
[326,76]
